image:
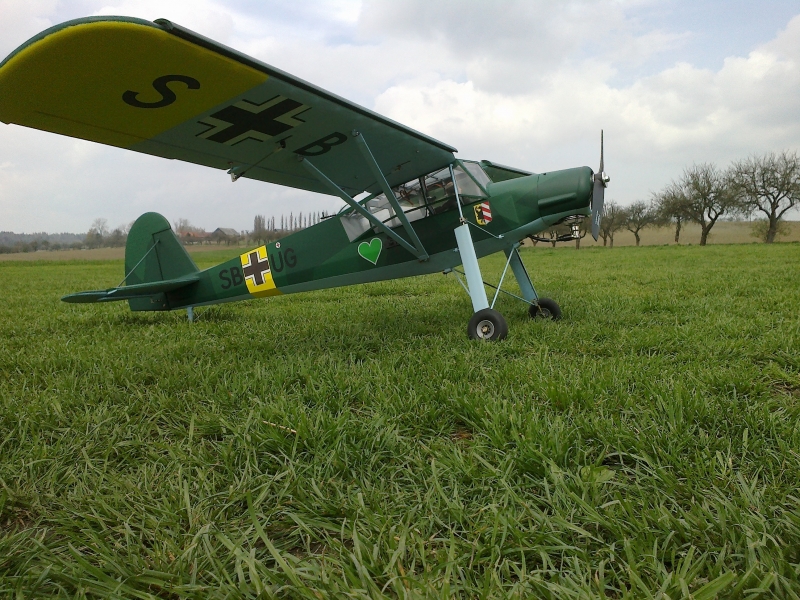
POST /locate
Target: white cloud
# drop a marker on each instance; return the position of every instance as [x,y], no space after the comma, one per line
[679,115]
[22,20]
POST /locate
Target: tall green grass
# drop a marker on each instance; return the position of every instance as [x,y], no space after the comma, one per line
[353,441]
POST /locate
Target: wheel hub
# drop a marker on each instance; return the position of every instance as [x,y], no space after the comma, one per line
[485,329]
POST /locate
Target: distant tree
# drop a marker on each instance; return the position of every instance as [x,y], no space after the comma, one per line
[769,184]
[669,208]
[637,216]
[760,229]
[583,229]
[96,234]
[611,222]
[116,238]
[181,225]
[100,226]
[703,194]
[259,233]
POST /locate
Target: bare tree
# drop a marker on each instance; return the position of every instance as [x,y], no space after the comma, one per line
[769,184]
[703,194]
[183,226]
[180,225]
[611,222]
[97,233]
[583,229]
[670,210]
[760,229]
[259,233]
[116,238]
[637,216]
[100,226]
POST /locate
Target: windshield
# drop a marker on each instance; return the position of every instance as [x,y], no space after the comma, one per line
[426,196]
[435,190]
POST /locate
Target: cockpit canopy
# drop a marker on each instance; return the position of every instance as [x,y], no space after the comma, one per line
[422,197]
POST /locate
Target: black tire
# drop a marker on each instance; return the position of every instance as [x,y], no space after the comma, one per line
[545,309]
[487,324]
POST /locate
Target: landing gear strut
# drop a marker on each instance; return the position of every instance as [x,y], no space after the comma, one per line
[486,323]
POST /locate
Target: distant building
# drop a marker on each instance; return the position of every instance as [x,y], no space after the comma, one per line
[195,237]
[225,234]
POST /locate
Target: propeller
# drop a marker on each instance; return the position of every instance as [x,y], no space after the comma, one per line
[600,184]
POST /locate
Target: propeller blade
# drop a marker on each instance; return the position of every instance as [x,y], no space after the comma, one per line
[597,206]
[601,152]
[600,182]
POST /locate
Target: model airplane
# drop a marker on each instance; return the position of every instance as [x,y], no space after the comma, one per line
[161,89]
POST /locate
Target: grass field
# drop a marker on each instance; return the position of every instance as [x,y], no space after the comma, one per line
[353,441]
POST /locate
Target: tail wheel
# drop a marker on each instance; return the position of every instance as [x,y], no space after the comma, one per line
[487,324]
[545,308]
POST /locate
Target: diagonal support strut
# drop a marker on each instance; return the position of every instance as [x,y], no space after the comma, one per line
[389,193]
[322,178]
[521,274]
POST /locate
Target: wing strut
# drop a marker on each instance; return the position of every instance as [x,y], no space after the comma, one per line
[398,211]
[359,209]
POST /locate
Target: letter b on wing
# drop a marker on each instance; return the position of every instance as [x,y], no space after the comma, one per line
[323,145]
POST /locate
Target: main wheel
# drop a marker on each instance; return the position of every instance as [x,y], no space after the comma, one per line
[545,308]
[487,324]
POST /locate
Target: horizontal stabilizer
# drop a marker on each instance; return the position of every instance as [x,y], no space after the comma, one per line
[140,290]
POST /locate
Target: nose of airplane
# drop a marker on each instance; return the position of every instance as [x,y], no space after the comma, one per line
[569,190]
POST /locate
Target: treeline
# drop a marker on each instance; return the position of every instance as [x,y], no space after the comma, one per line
[268,230]
[765,187]
[11,243]
[98,236]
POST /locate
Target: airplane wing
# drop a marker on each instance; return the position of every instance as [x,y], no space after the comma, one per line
[158,88]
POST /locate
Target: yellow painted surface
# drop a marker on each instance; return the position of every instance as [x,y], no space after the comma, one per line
[72,82]
[268,288]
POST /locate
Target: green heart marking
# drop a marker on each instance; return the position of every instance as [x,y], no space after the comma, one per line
[371,250]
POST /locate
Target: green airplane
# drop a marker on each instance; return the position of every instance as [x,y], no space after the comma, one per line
[411,207]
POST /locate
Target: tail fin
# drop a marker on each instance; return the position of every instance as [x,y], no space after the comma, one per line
[153,253]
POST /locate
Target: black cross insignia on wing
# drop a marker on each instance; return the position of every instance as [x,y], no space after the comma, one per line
[245,120]
[256,268]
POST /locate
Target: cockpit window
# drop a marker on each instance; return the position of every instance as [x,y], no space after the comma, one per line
[419,198]
[477,174]
[439,191]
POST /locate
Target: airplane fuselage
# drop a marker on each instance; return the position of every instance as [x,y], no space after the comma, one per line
[324,256]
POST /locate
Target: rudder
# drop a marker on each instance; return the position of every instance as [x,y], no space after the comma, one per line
[153,253]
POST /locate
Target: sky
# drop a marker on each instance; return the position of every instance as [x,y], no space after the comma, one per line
[527,83]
